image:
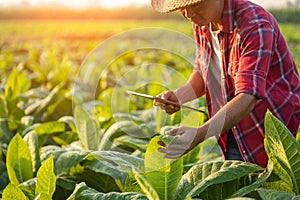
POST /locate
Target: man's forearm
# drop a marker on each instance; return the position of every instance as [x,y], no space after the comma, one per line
[193,89]
[230,115]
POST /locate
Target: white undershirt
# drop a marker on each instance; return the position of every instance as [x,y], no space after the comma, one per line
[214,72]
[216,58]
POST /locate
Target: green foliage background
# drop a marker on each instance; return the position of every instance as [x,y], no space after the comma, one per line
[42,125]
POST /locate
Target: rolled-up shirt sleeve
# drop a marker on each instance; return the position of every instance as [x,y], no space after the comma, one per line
[257,49]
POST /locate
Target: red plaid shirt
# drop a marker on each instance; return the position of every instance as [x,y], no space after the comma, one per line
[256,61]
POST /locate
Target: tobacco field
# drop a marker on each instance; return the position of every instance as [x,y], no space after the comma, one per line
[69,131]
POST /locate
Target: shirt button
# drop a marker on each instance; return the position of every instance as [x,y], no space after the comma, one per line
[244,152]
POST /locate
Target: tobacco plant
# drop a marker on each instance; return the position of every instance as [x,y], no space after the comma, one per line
[86,174]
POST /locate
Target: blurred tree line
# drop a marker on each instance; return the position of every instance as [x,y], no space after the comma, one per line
[290,15]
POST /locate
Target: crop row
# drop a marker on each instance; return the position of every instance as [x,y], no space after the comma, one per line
[68,130]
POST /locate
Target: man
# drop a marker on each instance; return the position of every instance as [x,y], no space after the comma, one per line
[244,68]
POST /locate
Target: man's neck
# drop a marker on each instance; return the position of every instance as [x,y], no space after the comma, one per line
[216,24]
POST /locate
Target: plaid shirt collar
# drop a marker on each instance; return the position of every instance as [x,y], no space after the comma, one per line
[227,18]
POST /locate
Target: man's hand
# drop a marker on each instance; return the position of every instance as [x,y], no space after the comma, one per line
[193,89]
[168,108]
[186,139]
[227,117]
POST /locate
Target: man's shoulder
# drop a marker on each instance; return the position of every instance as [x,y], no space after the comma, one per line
[248,14]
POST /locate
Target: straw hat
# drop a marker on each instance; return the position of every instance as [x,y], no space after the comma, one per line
[165,6]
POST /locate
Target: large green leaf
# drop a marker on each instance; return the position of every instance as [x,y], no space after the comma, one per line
[40,107]
[137,118]
[19,163]
[80,166]
[191,158]
[284,151]
[124,128]
[3,108]
[61,106]
[87,128]
[279,179]
[64,159]
[98,181]
[262,177]
[50,128]
[49,150]
[13,192]
[125,161]
[64,186]
[162,120]
[43,196]
[147,188]
[3,175]
[65,138]
[70,121]
[207,151]
[109,169]
[192,119]
[46,179]
[133,143]
[33,99]
[267,194]
[132,184]
[5,132]
[163,174]
[224,178]
[114,131]
[28,188]
[33,143]
[83,192]
[16,84]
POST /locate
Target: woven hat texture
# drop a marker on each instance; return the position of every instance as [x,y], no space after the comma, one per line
[165,6]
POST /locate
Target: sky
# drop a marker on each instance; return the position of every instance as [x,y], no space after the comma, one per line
[113,3]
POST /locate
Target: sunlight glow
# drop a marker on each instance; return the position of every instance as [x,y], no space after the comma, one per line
[77,3]
[111,3]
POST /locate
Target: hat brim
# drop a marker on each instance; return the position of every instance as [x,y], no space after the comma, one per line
[166,6]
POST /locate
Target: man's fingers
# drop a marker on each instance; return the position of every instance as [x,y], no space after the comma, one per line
[172,132]
[174,152]
[157,103]
[175,132]
[167,106]
[161,143]
[168,154]
[162,150]
[172,156]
